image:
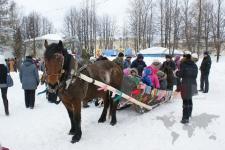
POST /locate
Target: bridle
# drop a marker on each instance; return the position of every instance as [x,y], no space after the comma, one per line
[58,75]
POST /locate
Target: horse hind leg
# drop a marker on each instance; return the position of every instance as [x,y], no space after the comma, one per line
[105,109]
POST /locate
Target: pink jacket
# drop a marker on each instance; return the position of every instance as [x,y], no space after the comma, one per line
[154,77]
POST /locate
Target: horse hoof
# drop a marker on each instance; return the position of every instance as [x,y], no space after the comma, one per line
[76,138]
[101,120]
[113,123]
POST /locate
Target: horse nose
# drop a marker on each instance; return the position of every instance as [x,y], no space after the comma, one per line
[52,86]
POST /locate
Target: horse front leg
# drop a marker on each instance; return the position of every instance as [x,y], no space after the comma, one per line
[70,113]
[106,106]
[113,107]
[76,121]
[72,130]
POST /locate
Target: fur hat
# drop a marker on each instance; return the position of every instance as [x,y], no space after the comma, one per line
[156,63]
[134,70]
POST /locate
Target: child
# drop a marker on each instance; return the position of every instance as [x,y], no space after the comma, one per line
[162,80]
[163,86]
[134,75]
[147,80]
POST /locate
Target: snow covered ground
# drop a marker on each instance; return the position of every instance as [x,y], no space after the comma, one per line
[46,127]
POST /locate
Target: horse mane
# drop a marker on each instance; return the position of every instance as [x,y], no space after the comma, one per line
[51,50]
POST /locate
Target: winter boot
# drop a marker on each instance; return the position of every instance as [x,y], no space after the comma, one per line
[6,105]
[184,121]
[185,118]
[190,111]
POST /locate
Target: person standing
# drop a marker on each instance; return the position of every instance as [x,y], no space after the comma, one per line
[3,83]
[205,69]
[119,60]
[29,78]
[188,73]
[169,67]
[178,82]
[127,62]
[139,64]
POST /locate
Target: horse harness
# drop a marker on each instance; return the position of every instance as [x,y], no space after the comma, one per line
[74,73]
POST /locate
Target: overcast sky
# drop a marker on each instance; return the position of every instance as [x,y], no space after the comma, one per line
[55,10]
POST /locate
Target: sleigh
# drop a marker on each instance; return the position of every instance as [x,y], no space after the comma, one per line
[153,99]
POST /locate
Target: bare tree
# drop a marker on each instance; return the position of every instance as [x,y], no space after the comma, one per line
[218,18]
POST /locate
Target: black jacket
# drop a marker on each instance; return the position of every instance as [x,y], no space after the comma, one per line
[168,68]
[139,65]
[188,72]
[3,74]
[206,65]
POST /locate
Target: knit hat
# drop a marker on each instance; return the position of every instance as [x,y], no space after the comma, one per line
[169,56]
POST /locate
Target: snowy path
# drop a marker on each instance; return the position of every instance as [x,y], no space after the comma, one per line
[46,127]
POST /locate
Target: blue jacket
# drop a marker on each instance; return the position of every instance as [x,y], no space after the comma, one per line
[29,75]
[145,79]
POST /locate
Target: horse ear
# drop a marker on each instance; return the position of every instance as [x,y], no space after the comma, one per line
[46,44]
[60,44]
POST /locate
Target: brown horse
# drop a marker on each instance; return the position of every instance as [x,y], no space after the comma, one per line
[72,90]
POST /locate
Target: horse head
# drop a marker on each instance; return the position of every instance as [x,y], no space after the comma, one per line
[54,61]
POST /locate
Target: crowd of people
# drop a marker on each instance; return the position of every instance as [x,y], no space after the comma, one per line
[180,71]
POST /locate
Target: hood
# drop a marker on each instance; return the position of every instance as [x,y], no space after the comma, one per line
[177,58]
[135,70]
[161,75]
[140,56]
[28,62]
[147,72]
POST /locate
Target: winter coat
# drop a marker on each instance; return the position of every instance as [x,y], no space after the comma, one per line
[29,75]
[163,82]
[146,77]
[168,68]
[3,76]
[206,65]
[126,64]
[154,77]
[188,72]
[139,65]
[119,61]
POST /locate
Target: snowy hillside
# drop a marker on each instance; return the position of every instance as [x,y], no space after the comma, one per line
[46,127]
